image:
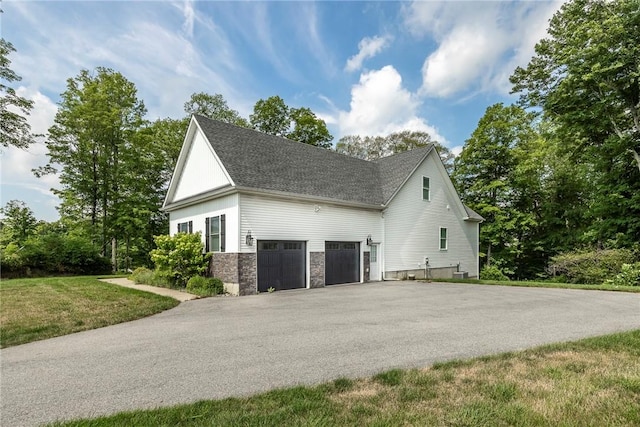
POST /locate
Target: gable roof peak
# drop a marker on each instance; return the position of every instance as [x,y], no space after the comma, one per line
[258,161]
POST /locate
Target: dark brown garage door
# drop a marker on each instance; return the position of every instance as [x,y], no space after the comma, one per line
[342,262]
[281,265]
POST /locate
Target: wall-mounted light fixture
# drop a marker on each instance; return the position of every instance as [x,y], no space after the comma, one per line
[316,208]
[249,239]
[369,241]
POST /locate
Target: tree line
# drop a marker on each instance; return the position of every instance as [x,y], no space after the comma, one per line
[557,171]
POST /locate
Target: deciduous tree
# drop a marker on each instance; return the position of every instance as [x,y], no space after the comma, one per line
[586,78]
[376,147]
[274,117]
[498,174]
[94,143]
[271,116]
[14,128]
[17,223]
[214,107]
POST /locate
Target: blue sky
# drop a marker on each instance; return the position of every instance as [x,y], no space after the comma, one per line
[367,68]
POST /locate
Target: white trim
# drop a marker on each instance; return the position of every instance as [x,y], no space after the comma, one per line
[182,158]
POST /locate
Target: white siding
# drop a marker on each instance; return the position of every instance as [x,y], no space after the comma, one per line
[201,171]
[412,225]
[314,223]
[273,219]
[227,205]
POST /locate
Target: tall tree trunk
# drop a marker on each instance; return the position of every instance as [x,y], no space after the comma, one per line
[127,264]
[489,255]
[114,251]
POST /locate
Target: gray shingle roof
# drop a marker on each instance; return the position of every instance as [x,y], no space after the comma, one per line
[265,162]
[395,169]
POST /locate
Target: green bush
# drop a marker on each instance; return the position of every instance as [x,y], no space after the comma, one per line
[179,257]
[205,286]
[492,272]
[163,279]
[53,254]
[142,276]
[590,267]
[629,276]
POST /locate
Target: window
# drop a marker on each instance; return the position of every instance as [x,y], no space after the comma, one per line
[443,239]
[268,246]
[426,194]
[374,254]
[289,246]
[215,234]
[185,227]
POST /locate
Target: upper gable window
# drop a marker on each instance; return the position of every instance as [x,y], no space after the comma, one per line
[426,192]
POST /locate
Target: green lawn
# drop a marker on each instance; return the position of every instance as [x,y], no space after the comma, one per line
[593,382]
[35,309]
[534,284]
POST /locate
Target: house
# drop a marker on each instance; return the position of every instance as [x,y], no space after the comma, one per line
[281,214]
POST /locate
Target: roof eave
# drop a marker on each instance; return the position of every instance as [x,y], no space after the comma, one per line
[308,198]
[470,219]
[200,197]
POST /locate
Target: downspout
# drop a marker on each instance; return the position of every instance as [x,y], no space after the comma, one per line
[381,246]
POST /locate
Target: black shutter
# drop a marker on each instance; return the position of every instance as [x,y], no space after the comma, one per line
[178,227]
[222,234]
[206,235]
[190,227]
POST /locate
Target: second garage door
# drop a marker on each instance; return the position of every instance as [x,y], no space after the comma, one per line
[281,265]
[342,262]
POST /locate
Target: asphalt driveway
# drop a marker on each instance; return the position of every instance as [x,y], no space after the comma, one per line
[219,347]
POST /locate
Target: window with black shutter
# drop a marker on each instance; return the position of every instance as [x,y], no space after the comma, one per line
[215,236]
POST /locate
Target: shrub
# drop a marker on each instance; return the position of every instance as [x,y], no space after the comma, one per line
[142,275]
[629,276]
[53,253]
[163,279]
[591,267]
[492,272]
[179,257]
[205,286]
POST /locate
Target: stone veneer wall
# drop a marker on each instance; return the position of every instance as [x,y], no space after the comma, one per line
[367,266]
[224,266]
[248,273]
[316,265]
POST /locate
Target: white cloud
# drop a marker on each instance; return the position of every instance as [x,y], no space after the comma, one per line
[367,48]
[189,17]
[466,54]
[380,106]
[306,26]
[477,47]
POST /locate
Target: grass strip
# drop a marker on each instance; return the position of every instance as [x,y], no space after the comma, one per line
[593,382]
[40,308]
